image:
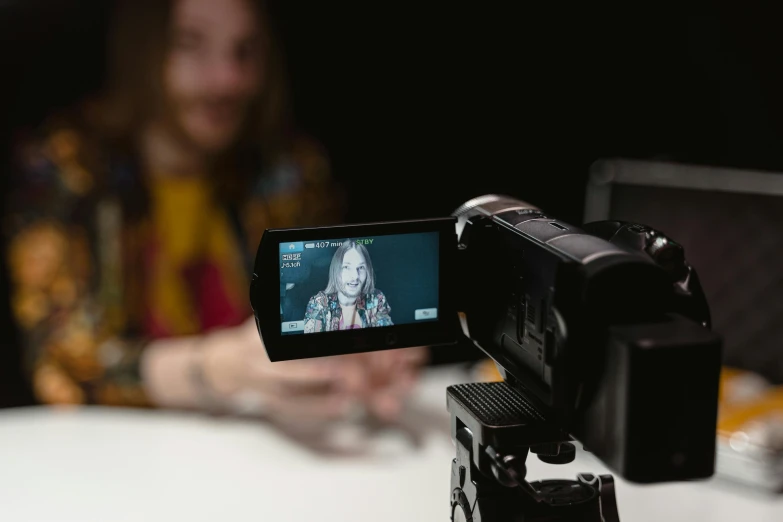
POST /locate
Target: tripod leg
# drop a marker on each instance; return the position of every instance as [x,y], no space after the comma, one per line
[608,499]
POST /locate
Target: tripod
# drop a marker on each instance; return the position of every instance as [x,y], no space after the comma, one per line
[495,428]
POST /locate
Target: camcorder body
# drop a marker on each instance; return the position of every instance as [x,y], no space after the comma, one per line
[603,330]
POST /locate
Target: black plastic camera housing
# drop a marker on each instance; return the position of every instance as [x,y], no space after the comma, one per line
[606,341]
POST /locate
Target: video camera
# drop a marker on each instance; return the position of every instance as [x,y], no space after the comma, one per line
[601,333]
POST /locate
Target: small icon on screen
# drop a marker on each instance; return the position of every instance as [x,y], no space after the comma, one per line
[426,313]
[309,245]
[295,246]
[292,326]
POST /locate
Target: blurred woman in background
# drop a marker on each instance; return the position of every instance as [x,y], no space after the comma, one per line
[134,220]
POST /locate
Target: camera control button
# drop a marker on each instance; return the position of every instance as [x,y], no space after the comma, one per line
[425,313]
[292,326]
[296,246]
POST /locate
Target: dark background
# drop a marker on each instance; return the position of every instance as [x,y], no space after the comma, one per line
[406,271]
[424,105]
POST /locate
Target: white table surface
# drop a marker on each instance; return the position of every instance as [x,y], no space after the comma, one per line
[107,464]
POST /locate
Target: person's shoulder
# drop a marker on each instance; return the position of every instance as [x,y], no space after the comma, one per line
[59,155]
[320,303]
[54,172]
[303,160]
[297,188]
[321,298]
[307,151]
[376,298]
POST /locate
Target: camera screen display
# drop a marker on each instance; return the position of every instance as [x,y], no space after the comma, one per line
[358,287]
[353,283]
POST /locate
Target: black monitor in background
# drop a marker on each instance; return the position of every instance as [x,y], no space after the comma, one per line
[730,223]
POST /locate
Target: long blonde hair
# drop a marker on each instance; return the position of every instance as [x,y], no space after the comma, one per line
[335,268]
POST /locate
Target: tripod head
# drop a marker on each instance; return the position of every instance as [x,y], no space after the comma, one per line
[495,429]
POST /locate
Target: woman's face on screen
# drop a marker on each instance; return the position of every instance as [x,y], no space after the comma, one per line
[353,273]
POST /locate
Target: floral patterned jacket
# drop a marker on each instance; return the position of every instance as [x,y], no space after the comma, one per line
[323,312]
[96,273]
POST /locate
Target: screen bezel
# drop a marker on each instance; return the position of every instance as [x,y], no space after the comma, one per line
[265,295]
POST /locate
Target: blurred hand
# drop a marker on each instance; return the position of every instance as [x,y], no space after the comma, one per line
[388,378]
[302,392]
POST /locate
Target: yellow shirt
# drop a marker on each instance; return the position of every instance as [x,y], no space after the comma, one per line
[196,278]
